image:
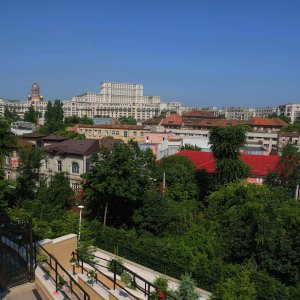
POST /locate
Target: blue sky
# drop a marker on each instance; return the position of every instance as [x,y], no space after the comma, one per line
[200,52]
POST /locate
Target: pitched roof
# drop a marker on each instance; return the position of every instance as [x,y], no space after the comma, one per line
[267,122]
[198,114]
[54,138]
[173,119]
[288,134]
[213,122]
[33,134]
[82,147]
[260,165]
[109,142]
[153,121]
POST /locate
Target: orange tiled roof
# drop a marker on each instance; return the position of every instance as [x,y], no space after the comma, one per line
[213,122]
[267,122]
[173,119]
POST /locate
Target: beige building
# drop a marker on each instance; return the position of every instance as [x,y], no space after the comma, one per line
[263,131]
[70,156]
[117,131]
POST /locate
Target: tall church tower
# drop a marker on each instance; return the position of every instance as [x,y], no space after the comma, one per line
[35,94]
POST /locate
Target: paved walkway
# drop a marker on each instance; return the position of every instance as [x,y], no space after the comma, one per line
[27,291]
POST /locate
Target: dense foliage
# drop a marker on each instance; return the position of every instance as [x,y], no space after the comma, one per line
[31,115]
[54,117]
[127,121]
[77,120]
[190,147]
[239,241]
[226,143]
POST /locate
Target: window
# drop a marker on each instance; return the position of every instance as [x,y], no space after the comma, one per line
[75,168]
[125,133]
[75,186]
[59,166]
[46,164]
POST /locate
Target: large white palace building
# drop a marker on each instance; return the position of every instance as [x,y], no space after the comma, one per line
[114,100]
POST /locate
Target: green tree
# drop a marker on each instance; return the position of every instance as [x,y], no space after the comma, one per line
[291,127]
[127,121]
[180,180]
[239,287]
[226,143]
[70,134]
[7,138]
[77,120]
[153,214]
[54,117]
[259,223]
[190,147]
[286,173]
[186,289]
[28,180]
[11,116]
[7,192]
[52,201]
[283,118]
[117,182]
[31,115]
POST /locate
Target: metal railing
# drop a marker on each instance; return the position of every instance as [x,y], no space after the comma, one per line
[137,283]
[59,272]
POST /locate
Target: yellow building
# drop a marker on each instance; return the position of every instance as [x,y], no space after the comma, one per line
[117,131]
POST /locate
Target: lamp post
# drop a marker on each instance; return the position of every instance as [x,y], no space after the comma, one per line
[297,171]
[81,207]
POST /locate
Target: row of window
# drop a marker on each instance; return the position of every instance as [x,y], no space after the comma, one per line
[74,166]
[106,132]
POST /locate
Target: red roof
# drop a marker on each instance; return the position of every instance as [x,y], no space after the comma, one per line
[172,119]
[267,122]
[260,165]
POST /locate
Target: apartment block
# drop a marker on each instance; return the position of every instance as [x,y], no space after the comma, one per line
[117,131]
[290,110]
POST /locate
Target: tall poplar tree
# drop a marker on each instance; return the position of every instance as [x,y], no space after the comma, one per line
[54,117]
[226,143]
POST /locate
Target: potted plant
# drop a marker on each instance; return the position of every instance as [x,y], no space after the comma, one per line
[61,283]
[42,260]
[91,274]
[74,262]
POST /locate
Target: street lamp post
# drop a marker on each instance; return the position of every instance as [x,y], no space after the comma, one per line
[81,207]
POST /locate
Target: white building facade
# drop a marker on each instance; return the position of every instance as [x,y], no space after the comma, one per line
[290,110]
[115,100]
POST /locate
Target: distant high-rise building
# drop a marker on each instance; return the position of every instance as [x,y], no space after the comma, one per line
[117,100]
[290,110]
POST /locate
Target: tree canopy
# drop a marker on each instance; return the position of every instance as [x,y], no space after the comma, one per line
[31,115]
[127,121]
[54,117]
[118,180]
[190,147]
[226,143]
[7,138]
